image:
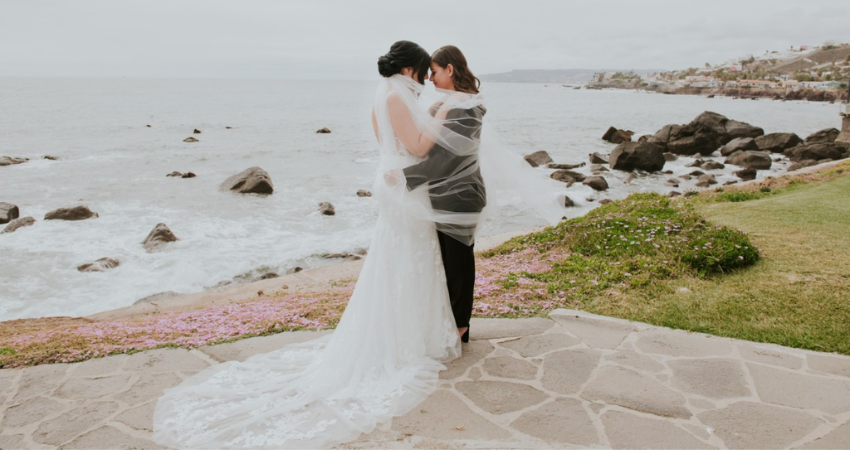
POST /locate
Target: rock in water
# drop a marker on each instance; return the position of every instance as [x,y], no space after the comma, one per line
[190,139]
[74,213]
[617,136]
[629,178]
[8,212]
[566,201]
[777,142]
[51,157]
[567,176]
[159,236]
[746,174]
[323,131]
[816,151]
[253,180]
[629,156]
[598,158]
[327,209]
[196,131]
[738,145]
[596,182]
[188,175]
[565,166]
[539,158]
[670,156]
[750,159]
[712,165]
[18,223]
[267,276]
[826,136]
[11,160]
[101,265]
[175,174]
[363,193]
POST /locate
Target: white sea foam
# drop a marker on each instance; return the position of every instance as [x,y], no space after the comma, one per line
[111,162]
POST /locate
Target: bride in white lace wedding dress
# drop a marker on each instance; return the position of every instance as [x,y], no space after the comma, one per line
[383,358]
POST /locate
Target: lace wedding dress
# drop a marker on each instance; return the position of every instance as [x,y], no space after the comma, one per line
[382,360]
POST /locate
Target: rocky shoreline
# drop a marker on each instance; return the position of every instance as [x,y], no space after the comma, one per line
[712,142]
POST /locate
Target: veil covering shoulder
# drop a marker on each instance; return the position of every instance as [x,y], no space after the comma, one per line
[467,175]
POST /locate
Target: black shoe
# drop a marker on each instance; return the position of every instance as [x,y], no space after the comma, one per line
[465,337]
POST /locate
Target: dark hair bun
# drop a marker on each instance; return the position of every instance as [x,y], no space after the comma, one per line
[386,67]
[405,54]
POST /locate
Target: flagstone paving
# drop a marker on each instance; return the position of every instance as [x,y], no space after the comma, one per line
[572,380]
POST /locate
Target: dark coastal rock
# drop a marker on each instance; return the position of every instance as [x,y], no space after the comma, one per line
[253,180]
[565,166]
[567,176]
[630,156]
[596,168]
[18,223]
[695,163]
[616,136]
[777,142]
[672,182]
[750,159]
[190,139]
[728,182]
[598,158]
[712,165]
[346,256]
[149,125]
[188,175]
[101,265]
[801,164]
[644,138]
[707,179]
[361,251]
[11,160]
[669,156]
[746,174]
[685,177]
[323,131]
[703,135]
[8,212]
[363,193]
[51,157]
[672,194]
[158,237]
[606,201]
[267,276]
[73,213]
[738,145]
[538,158]
[228,128]
[816,151]
[196,131]
[327,209]
[566,201]
[736,129]
[175,174]
[696,173]
[596,182]
[826,136]
[629,178]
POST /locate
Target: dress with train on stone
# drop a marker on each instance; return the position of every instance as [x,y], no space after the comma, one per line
[383,359]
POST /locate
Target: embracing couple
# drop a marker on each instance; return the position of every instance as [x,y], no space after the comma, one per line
[412,303]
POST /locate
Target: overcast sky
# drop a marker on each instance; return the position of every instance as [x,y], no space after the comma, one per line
[312,39]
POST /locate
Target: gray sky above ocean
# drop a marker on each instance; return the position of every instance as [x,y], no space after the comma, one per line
[342,39]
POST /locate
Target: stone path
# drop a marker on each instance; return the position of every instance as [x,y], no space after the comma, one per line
[574,380]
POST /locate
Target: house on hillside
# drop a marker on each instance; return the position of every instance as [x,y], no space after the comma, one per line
[793,84]
[757,83]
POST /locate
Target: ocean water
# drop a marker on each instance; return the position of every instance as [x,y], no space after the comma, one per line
[113,163]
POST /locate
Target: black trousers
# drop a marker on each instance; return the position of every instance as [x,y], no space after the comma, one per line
[459,262]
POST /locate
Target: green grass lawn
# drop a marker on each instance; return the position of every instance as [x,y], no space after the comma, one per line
[792,289]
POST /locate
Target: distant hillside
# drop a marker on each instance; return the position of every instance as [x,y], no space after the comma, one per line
[570,76]
[820,57]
